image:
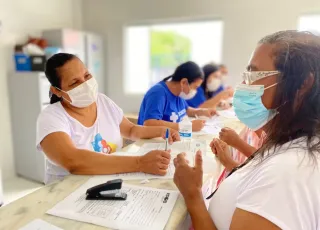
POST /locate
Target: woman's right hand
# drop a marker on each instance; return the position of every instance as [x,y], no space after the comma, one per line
[155,162]
[222,151]
[197,125]
[230,137]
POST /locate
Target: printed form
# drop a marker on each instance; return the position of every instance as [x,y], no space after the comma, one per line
[145,208]
[177,147]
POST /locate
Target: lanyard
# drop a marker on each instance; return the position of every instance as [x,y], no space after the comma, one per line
[231,172]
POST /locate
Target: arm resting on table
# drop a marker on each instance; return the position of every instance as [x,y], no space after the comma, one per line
[154,122]
[59,148]
[135,132]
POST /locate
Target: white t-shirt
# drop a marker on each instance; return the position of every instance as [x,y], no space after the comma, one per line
[284,189]
[103,137]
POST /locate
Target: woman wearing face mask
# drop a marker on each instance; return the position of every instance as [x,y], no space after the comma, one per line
[224,72]
[278,186]
[80,123]
[164,104]
[212,90]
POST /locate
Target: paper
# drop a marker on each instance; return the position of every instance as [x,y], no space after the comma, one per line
[144,209]
[140,175]
[211,129]
[215,120]
[228,113]
[189,147]
[176,147]
[39,224]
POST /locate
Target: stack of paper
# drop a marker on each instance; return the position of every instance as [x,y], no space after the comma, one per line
[39,224]
[228,113]
[144,209]
[176,147]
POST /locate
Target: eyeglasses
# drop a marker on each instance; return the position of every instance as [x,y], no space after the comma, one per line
[251,76]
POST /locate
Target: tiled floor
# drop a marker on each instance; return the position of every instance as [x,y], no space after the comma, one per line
[18,187]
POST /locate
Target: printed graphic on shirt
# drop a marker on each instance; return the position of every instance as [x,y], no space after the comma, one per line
[102,146]
[174,117]
[177,117]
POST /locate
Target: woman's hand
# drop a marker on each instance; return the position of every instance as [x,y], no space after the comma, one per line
[230,137]
[188,179]
[207,112]
[222,151]
[197,125]
[224,105]
[155,162]
[173,135]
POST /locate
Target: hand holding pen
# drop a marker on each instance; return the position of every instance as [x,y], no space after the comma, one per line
[173,135]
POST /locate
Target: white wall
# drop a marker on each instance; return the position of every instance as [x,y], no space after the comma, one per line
[21,18]
[245,22]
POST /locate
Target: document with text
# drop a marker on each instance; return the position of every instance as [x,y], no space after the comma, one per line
[145,208]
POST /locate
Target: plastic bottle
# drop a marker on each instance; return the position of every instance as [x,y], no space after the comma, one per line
[185,129]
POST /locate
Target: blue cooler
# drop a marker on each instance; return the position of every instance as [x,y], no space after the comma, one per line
[23,62]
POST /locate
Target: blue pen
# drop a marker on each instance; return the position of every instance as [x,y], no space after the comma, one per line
[167,139]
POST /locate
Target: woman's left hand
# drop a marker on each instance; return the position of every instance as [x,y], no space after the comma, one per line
[222,151]
[208,112]
[173,135]
[224,105]
[188,179]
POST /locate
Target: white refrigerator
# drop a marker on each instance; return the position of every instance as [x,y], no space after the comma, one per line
[87,46]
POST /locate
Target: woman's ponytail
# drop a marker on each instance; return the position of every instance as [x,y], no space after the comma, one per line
[189,70]
[54,98]
[167,78]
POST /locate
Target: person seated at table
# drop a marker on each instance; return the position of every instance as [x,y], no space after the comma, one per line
[212,91]
[164,104]
[80,123]
[278,186]
[224,73]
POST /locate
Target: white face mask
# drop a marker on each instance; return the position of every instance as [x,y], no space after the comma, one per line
[224,79]
[188,96]
[214,84]
[83,95]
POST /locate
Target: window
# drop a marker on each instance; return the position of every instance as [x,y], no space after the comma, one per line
[310,23]
[153,52]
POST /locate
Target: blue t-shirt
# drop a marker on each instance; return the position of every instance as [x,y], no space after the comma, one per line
[160,104]
[200,97]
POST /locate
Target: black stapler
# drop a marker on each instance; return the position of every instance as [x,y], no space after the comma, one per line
[104,191]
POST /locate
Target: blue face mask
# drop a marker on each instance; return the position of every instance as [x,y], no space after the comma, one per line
[249,107]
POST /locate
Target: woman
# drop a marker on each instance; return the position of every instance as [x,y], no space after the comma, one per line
[80,123]
[212,90]
[164,104]
[277,188]
[224,72]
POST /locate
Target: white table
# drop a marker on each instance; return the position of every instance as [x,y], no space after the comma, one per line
[35,205]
